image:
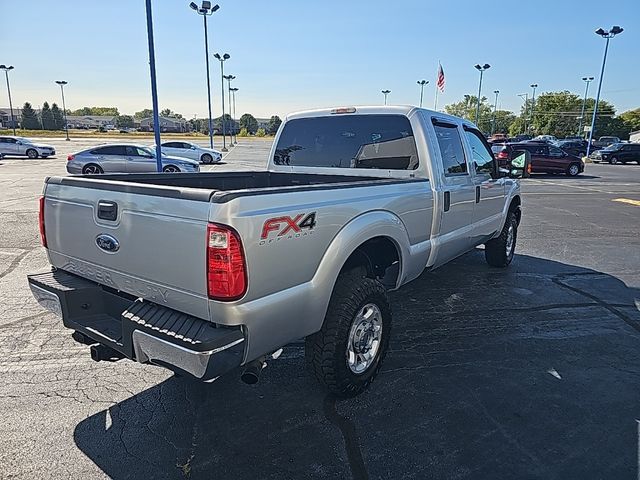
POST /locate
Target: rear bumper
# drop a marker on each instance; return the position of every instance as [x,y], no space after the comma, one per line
[137,329]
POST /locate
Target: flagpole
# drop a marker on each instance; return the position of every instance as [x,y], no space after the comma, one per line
[435,102]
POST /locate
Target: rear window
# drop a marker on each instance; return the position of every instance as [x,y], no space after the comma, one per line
[110,150]
[348,141]
[497,148]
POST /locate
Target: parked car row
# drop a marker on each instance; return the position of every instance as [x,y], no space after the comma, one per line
[617,153]
[177,156]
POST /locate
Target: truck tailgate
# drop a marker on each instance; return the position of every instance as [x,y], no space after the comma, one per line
[149,246]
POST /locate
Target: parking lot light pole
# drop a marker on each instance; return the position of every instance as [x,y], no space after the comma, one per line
[495,108]
[608,35]
[422,83]
[223,58]
[7,69]
[154,87]
[233,115]
[587,81]
[525,97]
[206,10]
[385,93]
[533,102]
[481,69]
[228,78]
[62,83]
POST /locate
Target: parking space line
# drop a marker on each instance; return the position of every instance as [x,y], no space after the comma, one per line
[627,200]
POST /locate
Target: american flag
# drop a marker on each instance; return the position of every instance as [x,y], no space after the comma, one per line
[440,82]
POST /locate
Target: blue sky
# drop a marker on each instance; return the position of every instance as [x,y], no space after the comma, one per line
[291,55]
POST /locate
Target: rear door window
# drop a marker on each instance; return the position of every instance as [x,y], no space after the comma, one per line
[481,155]
[110,150]
[348,141]
[451,151]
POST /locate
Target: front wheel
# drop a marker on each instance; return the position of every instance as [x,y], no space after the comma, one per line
[170,169]
[499,251]
[206,159]
[347,353]
[573,170]
[613,161]
[32,154]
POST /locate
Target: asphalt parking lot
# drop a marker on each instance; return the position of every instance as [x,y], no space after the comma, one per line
[529,372]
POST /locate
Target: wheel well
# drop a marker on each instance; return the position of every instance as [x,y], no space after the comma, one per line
[515,207]
[380,257]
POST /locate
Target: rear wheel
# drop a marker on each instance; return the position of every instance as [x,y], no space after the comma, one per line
[32,153]
[499,251]
[92,169]
[170,169]
[573,170]
[347,353]
[206,158]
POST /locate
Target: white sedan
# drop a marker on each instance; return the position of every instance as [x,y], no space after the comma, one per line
[20,146]
[192,151]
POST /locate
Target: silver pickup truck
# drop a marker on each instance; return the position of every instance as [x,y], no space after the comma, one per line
[204,273]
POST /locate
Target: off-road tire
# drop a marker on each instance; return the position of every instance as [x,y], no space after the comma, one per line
[326,350]
[495,250]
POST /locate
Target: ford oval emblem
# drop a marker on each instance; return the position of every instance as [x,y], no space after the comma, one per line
[107,243]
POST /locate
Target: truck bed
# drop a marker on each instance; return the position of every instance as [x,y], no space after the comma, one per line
[218,187]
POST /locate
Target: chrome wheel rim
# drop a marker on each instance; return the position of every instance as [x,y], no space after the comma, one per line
[510,239]
[32,154]
[91,170]
[171,169]
[364,338]
[573,169]
[206,158]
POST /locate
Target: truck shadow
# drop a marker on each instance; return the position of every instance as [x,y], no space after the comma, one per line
[489,373]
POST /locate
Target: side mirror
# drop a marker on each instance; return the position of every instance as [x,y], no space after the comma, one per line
[192,147]
[520,164]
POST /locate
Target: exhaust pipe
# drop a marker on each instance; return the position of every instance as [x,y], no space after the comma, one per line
[101,352]
[251,373]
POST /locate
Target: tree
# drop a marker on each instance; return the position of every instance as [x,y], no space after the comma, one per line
[466,108]
[503,121]
[124,121]
[274,124]
[58,118]
[84,111]
[46,117]
[249,122]
[167,112]
[29,118]
[146,113]
[217,123]
[631,119]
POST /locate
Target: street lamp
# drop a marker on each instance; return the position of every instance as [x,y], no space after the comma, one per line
[608,34]
[525,97]
[233,115]
[223,58]
[495,108]
[481,69]
[6,69]
[228,78]
[533,102]
[587,81]
[206,10]
[62,83]
[385,93]
[422,83]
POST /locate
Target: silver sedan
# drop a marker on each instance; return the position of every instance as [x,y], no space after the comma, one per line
[125,158]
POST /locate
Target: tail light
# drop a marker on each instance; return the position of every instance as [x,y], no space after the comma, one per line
[226,266]
[503,155]
[43,236]
[70,157]
[529,168]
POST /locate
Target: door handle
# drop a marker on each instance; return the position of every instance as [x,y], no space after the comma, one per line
[107,210]
[477,193]
[447,201]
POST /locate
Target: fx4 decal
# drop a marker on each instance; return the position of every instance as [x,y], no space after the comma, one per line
[286,225]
